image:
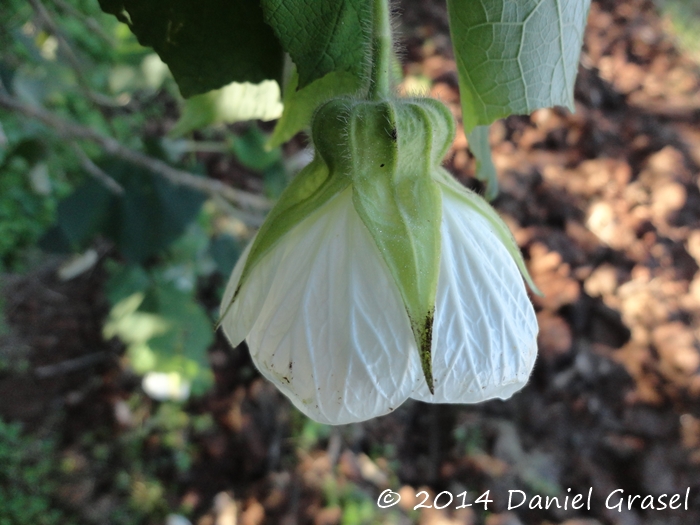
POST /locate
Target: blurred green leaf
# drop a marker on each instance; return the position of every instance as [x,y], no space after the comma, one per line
[249,148]
[124,281]
[191,331]
[150,215]
[206,44]
[225,250]
[82,214]
[233,103]
[165,330]
[251,151]
[27,203]
[275,180]
[32,149]
[30,480]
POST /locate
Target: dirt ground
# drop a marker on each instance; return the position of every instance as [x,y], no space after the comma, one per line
[605,205]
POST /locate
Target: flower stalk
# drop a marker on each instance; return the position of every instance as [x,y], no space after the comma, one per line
[380,76]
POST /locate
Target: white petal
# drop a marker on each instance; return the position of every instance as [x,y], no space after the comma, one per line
[242,314]
[332,332]
[485,329]
[232,324]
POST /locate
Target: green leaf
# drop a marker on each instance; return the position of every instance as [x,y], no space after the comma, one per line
[165,330]
[300,104]
[82,214]
[249,148]
[125,281]
[150,215]
[322,37]
[225,250]
[206,44]
[251,151]
[485,170]
[275,180]
[190,332]
[233,103]
[515,57]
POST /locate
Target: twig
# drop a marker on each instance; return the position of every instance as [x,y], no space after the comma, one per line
[73,60]
[97,172]
[70,365]
[254,220]
[52,28]
[179,177]
[92,24]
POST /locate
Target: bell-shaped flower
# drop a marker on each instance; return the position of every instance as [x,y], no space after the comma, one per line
[377,277]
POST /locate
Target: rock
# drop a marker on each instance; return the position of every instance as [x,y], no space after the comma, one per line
[554,339]
[504,518]
[552,277]
[603,281]
[676,345]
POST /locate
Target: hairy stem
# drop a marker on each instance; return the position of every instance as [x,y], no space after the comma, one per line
[380,78]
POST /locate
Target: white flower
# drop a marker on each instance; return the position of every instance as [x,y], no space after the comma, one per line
[377,277]
[325,322]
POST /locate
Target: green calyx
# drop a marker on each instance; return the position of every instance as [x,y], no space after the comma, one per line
[390,152]
[393,148]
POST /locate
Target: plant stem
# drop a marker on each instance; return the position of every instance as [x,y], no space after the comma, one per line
[380,78]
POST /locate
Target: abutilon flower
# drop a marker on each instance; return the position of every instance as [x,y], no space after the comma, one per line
[377,277]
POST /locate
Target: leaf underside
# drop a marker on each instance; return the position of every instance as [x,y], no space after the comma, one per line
[233,103]
[515,57]
[207,45]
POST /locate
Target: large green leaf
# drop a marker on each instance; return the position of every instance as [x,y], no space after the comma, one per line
[206,44]
[322,37]
[515,57]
